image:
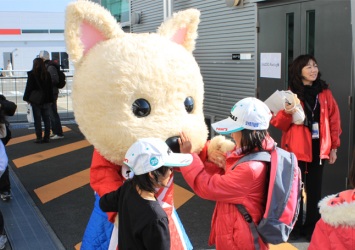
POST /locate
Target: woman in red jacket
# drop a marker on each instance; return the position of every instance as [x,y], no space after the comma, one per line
[314,141]
[336,228]
[245,184]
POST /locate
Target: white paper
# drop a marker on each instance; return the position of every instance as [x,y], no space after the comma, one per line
[270,65]
[277,100]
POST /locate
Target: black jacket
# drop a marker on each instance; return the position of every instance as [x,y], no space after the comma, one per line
[32,84]
[54,75]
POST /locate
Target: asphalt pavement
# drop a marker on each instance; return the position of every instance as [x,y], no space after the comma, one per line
[52,198]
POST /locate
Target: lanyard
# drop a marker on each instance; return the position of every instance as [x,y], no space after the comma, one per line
[314,108]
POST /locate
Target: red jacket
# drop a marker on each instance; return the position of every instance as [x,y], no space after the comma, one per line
[336,228]
[243,185]
[298,139]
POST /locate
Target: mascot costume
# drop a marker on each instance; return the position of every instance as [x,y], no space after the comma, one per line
[130,86]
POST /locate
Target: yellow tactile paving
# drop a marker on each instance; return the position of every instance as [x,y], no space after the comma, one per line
[29,137]
[29,159]
[60,187]
[283,246]
[77,246]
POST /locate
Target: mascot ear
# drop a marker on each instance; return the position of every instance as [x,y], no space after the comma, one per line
[87,24]
[182,28]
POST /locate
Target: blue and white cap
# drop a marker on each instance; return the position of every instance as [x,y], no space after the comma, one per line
[249,113]
[149,154]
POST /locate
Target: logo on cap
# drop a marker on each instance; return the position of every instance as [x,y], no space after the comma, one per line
[234,118]
[154,161]
[252,124]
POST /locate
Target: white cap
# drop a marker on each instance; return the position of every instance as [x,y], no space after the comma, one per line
[44,54]
[249,113]
[149,154]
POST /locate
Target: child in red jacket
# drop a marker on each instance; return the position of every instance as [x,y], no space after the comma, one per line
[336,228]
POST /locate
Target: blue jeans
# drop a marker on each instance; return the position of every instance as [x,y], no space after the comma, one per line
[54,117]
[41,112]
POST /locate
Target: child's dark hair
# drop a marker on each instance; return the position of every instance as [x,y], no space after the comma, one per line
[252,139]
[146,183]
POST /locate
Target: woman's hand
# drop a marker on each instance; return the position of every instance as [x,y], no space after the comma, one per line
[185,143]
[289,109]
[333,156]
[218,158]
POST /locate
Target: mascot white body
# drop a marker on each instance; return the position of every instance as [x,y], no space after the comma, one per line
[130,86]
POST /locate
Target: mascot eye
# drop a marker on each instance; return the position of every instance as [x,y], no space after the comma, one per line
[189,104]
[141,108]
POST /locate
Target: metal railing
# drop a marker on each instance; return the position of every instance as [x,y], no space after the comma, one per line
[13,87]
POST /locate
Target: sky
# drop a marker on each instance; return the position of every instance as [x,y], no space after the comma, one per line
[34,5]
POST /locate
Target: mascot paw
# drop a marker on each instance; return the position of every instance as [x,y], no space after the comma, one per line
[220,143]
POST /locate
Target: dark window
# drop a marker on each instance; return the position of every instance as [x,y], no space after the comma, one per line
[56,31]
[33,31]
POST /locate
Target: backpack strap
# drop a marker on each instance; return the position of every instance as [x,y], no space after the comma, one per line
[256,156]
[252,226]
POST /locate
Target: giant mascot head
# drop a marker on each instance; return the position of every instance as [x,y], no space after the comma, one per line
[130,86]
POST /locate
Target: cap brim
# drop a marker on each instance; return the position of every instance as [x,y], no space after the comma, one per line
[178,160]
[226,126]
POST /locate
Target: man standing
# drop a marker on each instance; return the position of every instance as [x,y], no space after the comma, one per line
[56,126]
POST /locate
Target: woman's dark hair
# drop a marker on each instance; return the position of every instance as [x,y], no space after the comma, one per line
[352,171]
[295,75]
[252,139]
[146,183]
[39,69]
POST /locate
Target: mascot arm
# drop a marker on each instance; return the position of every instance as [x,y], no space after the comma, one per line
[105,177]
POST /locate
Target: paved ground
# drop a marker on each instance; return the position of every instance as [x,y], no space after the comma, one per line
[52,180]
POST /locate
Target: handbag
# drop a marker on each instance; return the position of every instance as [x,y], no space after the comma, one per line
[7,106]
[30,118]
[36,97]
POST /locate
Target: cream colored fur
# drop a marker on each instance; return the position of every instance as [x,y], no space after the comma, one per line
[124,67]
[337,215]
[220,143]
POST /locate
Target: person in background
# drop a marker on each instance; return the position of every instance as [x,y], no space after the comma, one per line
[336,228]
[3,168]
[143,224]
[7,108]
[9,67]
[314,141]
[57,131]
[39,80]
[245,184]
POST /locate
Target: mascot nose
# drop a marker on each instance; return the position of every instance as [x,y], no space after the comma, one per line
[173,144]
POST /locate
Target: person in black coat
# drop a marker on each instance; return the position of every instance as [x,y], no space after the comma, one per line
[39,94]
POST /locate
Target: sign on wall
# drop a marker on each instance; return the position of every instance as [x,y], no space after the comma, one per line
[270,65]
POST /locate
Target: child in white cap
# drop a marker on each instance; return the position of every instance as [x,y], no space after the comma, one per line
[143,224]
[243,183]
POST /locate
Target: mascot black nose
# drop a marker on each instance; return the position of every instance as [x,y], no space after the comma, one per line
[173,144]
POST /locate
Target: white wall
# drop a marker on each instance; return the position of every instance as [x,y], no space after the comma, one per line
[25,47]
